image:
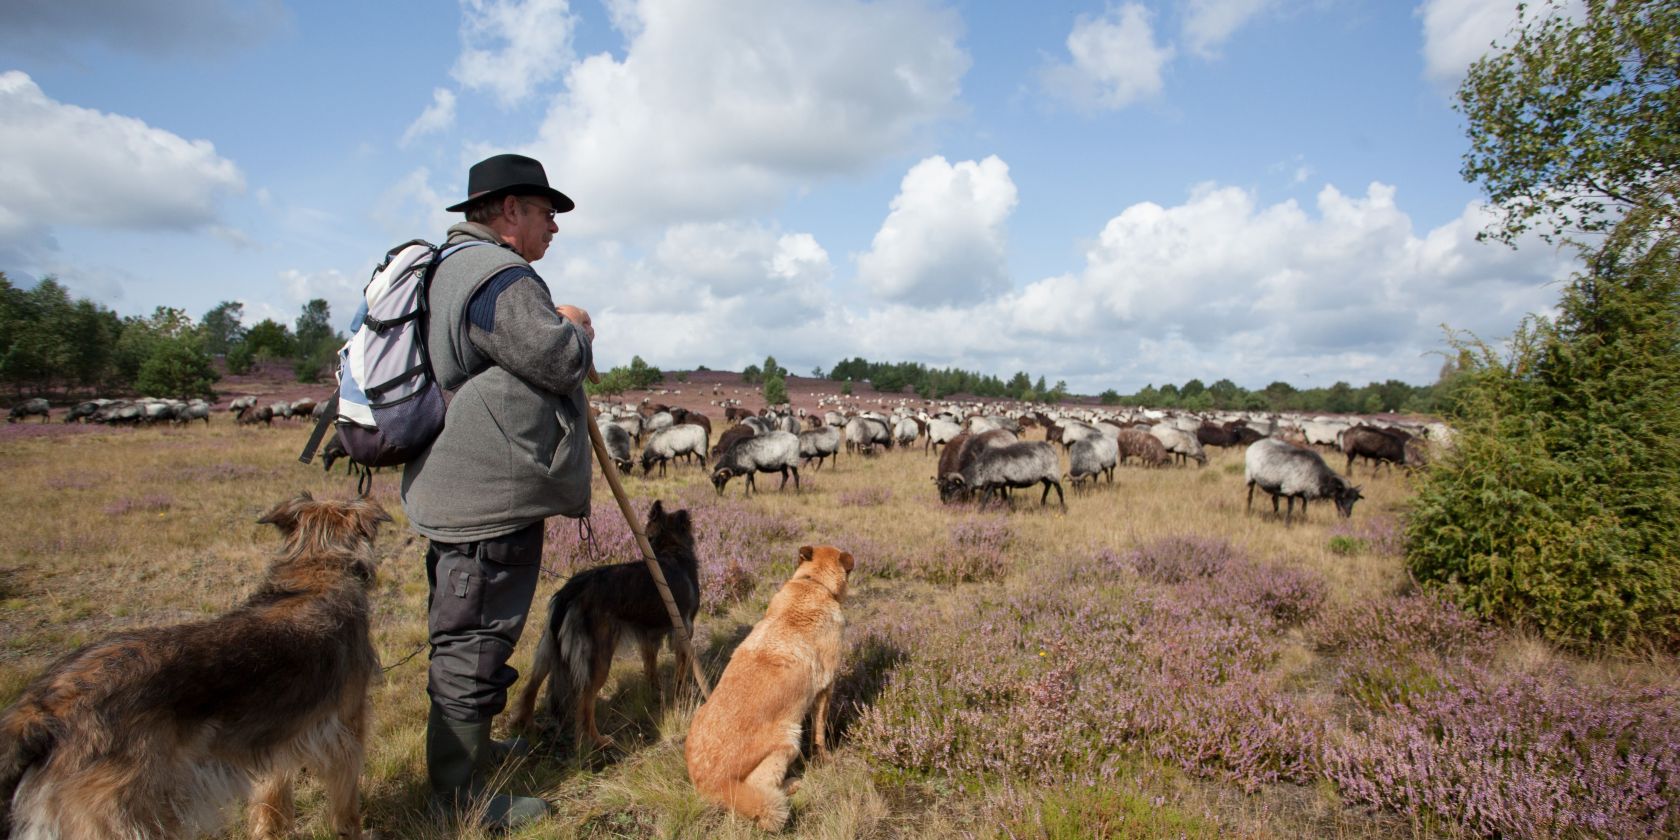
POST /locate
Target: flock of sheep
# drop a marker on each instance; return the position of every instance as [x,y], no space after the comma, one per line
[982,454]
[150,410]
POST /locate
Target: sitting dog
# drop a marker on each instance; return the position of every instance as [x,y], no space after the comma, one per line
[587,614]
[742,740]
[151,734]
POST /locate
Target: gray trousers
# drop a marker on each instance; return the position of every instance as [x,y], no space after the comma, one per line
[480,594]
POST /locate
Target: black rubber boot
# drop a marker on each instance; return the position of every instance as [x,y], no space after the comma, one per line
[459,755]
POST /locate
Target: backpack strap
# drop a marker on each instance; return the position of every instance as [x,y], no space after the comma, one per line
[328,415]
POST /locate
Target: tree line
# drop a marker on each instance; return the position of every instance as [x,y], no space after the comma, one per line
[52,344]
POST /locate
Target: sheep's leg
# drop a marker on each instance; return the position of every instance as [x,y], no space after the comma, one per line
[783,485]
[1249,508]
[795,479]
[1289,514]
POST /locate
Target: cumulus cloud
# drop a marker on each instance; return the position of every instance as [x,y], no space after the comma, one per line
[179,27]
[68,165]
[1114,60]
[943,241]
[1280,292]
[1457,32]
[438,116]
[513,46]
[719,107]
[1209,23]
[718,293]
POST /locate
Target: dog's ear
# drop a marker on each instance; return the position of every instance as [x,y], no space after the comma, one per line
[806,553]
[681,523]
[657,512]
[846,561]
[285,515]
[367,515]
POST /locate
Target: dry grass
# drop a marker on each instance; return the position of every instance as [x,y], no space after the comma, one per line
[128,528]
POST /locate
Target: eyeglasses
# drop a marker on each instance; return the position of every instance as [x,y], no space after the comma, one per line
[547,211]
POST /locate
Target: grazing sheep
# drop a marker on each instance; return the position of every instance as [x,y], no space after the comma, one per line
[1091,457]
[631,424]
[695,418]
[819,444]
[1179,442]
[1293,472]
[30,408]
[833,418]
[239,405]
[253,415]
[188,412]
[1074,431]
[862,433]
[941,433]
[83,412]
[669,442]
[1228,434]
[958,455]
[776,451]
[734,433]
[301,408]
[759,425]
[905,431]
[1148,450]
[980,425]
[618,446]
[156,411]
[657,421]
[1019,464]
[119,411]
[1377,445]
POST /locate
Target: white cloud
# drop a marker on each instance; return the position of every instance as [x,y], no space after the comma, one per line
[944,240]
[1457,32]
[1209,23]
[438,116]
[61,164]
[513,46]
[719,108]
[1114,60]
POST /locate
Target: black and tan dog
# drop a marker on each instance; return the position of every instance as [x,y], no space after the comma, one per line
[153,733]
[589,613]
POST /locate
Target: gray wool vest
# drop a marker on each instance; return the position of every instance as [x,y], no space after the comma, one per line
[510,453]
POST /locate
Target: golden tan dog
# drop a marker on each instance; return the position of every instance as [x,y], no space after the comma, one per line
[151,734]
[743,739]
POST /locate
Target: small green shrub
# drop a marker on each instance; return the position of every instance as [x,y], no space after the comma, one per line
[1347,545]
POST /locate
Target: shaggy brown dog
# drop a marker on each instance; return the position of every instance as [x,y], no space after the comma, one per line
[587,615]
[743,739]
[152,733]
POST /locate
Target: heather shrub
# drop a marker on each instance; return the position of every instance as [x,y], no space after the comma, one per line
[1530,756]
[1084,811]
[1180,558]
[976,552]
[735,543]
[1402,625]
[866,497]
[1376,533]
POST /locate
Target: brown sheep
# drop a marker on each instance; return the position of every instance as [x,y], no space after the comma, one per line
[1145,446]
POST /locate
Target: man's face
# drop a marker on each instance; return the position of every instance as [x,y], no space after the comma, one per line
[533,227]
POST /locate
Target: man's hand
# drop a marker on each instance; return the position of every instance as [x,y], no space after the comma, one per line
[579,317]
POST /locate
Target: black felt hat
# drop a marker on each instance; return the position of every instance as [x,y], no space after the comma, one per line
[510,175]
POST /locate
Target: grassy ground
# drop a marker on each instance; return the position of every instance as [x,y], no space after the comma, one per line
[127,528]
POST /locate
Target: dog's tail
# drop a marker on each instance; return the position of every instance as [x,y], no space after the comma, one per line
[553,663]
[26,739]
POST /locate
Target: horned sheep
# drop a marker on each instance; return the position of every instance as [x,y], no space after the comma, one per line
[776,451]
[669,442]
[1293,472]
[1017,465]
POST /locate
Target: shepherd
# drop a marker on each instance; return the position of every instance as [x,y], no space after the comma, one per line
[514,450]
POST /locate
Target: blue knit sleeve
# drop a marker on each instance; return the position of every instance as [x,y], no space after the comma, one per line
[481,309]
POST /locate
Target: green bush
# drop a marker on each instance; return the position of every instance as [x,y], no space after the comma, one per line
[240,359]
[1559,505]
[177,367]
[775,391]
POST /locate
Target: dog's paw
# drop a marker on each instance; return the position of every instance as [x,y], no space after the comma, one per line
[791,786]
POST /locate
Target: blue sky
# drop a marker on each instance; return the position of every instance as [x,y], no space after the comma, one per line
[1111,194]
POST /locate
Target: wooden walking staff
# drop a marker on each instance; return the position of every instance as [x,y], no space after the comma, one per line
[609,469]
